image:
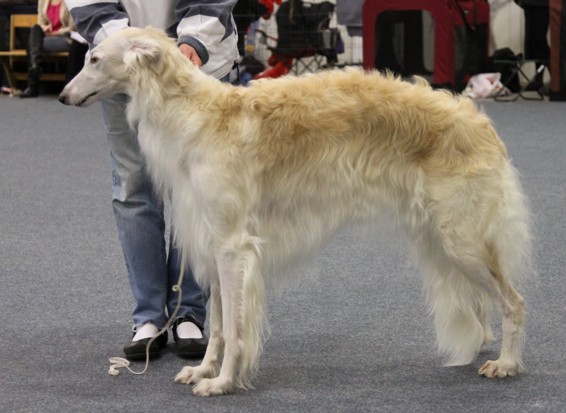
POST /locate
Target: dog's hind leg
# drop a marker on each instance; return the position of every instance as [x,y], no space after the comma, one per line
[242,297]
[461,292]
[512,308]
[477,239]
[211,361]
[508,253]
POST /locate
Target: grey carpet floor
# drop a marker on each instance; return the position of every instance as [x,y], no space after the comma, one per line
[352,336]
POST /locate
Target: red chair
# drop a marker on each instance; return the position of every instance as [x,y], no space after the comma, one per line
[448,16]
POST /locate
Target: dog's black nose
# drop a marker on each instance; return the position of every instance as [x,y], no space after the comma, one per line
[63,99]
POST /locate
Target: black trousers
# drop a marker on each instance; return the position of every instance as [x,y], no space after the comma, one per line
[558,50]
[536,30]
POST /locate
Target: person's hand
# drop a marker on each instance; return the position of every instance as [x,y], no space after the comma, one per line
[191,54]
[46,29]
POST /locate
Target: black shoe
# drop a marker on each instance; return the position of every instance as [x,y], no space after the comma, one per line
[190,347]
[136,350]
[30,92]
[557,96]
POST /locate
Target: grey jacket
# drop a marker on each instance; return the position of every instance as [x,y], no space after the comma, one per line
[206,25]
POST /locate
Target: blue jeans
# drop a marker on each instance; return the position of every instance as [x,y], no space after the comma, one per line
[141,229]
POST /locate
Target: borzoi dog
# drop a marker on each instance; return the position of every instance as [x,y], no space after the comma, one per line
[262,175]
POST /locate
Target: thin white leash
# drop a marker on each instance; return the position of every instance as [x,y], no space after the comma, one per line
[121,362]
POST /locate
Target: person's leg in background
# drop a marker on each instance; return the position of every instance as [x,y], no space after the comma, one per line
[35,52]
[558,50]
[536,43]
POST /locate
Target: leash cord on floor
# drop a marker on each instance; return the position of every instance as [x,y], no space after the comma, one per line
[121,362]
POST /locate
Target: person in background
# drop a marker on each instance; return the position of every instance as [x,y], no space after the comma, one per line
[206,35]
[557,11]
[536,30]
[50,34]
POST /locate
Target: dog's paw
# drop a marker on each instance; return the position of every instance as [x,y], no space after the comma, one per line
[213,387]
[190,375]
[499,368]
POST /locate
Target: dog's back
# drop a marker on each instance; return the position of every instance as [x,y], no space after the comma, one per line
[316,111]
[343,145]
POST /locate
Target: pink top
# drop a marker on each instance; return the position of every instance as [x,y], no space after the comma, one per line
[53,14]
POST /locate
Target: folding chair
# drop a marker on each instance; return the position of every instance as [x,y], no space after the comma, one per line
[304,42]
[516,68]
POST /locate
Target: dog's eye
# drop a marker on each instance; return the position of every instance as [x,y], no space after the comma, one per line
[93,59]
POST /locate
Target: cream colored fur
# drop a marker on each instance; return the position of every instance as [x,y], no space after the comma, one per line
[263,175]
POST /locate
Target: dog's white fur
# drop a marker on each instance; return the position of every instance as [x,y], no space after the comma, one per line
[261,175]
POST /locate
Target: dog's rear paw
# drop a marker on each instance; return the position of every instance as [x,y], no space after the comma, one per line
[213,387]
[499,368]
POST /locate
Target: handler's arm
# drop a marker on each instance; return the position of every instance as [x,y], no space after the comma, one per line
[96,20]
[204,24]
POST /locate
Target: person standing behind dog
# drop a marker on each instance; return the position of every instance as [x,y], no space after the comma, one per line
[51,34]
[207,36]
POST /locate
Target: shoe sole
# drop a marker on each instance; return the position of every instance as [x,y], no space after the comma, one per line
[142,356]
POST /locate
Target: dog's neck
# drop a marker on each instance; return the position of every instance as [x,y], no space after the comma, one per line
[177,83]
[153,92]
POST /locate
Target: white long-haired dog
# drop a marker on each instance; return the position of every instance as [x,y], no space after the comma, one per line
[259,176]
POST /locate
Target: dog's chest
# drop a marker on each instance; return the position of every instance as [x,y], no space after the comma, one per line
[162,157]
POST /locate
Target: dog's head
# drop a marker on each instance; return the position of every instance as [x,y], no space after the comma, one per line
[111,66]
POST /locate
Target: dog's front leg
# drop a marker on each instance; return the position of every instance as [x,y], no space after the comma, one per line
[231,277]
[210,363]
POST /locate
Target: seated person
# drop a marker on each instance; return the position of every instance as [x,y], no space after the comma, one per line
[51,34]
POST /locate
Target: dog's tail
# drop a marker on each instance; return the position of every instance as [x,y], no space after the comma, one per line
[459,266]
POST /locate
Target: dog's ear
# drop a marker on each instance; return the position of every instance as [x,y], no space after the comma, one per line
[142,52]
